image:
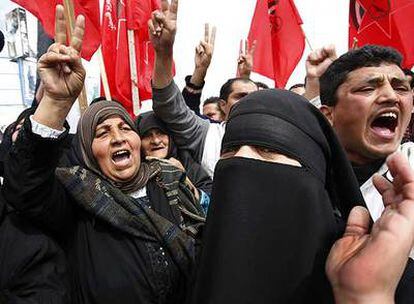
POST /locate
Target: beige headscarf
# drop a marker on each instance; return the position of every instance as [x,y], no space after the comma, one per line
[95,114]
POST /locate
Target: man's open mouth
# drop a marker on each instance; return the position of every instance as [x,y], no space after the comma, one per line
[385,124]
[121,157]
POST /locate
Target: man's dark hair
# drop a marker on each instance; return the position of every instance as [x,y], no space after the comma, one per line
[298,85]
[337,72]
[410,73]
[227,88]
[214,100]
[1,41]
[261,85]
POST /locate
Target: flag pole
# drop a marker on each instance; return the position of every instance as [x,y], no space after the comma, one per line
[355,43]
[70,17]
[306,38]
[133,71]
[104,77]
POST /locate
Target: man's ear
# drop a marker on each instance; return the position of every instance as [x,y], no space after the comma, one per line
[222,105]
[328,112]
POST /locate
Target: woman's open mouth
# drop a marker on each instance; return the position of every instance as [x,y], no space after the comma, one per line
[157,149]
[121,158]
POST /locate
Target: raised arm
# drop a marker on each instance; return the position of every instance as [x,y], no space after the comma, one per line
[30,184]
[189,130]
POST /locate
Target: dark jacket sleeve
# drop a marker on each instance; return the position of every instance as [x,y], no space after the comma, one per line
[195,172]
[192,95]
[30,184]
[188,130]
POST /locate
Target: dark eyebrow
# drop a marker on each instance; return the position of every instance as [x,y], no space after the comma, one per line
[122,122]
[374,80]
[241,94]
[380,79]
[399,81]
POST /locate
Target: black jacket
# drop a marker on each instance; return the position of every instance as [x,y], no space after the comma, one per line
[108,265]
[33,268]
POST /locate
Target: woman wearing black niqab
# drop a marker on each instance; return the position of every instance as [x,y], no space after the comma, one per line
[271,225]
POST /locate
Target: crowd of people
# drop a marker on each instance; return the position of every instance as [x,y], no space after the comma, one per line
[267,195]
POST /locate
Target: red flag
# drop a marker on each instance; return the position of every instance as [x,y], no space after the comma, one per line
[139,12]
[44,10]
[384,22]
[276,26]
[119,16]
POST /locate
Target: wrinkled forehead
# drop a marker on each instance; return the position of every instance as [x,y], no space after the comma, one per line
[382,72]
[110,119]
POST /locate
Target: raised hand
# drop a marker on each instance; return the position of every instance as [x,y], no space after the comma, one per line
[203,54]
[204,51]
[245,60]
[365,266]
[61,72]
[60,68]
[316,64]
[162,27]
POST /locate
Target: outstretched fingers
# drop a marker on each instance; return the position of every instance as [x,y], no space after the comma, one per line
[60,25]
[253,48]
[165,5]
[173,10]
[78,34]
[213,36]
[207,32]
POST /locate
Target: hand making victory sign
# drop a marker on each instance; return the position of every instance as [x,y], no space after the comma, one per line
[204,51]
[245,60]
[163,25]
[162,28]
[60,68]
[203,54]
[61,72]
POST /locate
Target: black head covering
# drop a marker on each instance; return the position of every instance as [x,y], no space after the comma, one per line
[270,226]
[288,123]
[148,121]
[5,145]
[1,41]
[6,142]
